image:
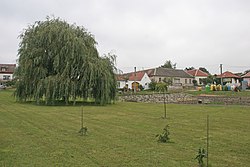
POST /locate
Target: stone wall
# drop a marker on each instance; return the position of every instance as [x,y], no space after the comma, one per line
[183,98]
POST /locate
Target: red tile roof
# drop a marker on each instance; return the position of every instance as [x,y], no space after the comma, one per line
[247,75]
[197,73]
[138,77]
[228,74]
[131,76]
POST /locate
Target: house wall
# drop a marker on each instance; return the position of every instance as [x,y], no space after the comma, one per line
[5,77]
[145,81]
[175,80]
[121,84]
[231,80]
[187,81]
[248,80]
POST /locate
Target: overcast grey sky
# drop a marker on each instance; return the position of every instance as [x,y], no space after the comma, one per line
[144,34]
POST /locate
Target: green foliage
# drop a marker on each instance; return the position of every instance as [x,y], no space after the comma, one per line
[209,80]
[201,154]
[83,130]
[60,61]
[195,82]
[204,70]
[161,87]
[164,137]
[168,81]
[189,68]
[152,85]
[169,64]
[10,83]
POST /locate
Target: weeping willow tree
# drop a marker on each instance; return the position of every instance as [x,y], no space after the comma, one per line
[59,61]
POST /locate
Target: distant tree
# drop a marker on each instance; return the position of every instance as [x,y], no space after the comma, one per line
[59,61]
[204,70]
[209,80]
[189,68]
[169,64]
[247,71]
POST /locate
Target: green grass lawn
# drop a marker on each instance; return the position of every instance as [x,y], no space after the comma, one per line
[122,134]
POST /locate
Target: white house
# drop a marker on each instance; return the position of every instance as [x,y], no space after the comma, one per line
[133,80]
[6,72]
[198,75]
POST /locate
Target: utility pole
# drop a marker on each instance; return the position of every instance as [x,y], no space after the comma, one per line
[221,80]
[135,81]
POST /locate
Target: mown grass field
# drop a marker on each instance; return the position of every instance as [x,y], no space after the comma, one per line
[122,134]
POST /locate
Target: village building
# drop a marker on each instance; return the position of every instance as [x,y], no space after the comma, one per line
[198,75]
[246,78]
[230,78]
[6,73]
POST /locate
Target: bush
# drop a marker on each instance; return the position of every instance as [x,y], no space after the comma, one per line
[164,137]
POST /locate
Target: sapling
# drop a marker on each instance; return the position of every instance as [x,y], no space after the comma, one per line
[201,154]
[164,137]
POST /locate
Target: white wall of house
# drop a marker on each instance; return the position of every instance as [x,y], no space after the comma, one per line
[186,81]
[144,82]
[121,84]
[231,80]
[176,80]
[5,77]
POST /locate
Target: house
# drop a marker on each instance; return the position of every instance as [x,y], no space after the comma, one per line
[176,76]
[198,75]
[229,78]
[133,80]
[6,72]
[246,78]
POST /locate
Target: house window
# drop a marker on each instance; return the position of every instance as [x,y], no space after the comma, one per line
[159,79]
[177,80]
[186,81]
[190,81]
[6,77]
[3,69]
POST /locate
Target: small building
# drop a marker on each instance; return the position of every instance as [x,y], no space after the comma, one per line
[133,80]
[176,76]
[6,72]
[198,75]
[246,78]
[229,78]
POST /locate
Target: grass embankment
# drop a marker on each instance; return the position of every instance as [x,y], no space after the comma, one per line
[120,135]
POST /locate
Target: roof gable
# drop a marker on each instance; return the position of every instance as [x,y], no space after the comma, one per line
[197,73]
[131,76]
[228,74]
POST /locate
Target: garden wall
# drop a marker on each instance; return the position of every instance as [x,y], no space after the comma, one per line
[183,98]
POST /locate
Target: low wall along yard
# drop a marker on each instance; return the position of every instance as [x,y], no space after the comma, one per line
[183,98]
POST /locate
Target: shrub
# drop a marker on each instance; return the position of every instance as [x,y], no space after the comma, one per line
[164,137]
